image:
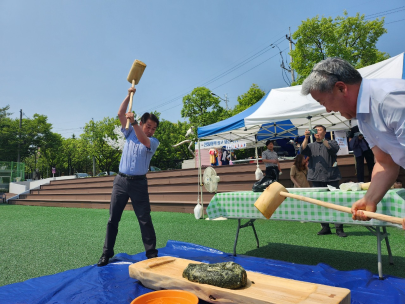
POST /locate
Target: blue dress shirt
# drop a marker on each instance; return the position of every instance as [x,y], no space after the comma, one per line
[381,116]
[136,156]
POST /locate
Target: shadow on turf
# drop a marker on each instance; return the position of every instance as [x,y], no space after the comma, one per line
[338,259]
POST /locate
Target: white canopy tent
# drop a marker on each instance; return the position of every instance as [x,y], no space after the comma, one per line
[303,111]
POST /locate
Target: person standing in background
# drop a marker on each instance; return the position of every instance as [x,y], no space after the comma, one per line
[213,157]
[224,157]
[361,151]
[322,167]
[299,172]
[270,158]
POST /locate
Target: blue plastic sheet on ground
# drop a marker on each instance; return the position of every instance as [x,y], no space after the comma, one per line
[112,283]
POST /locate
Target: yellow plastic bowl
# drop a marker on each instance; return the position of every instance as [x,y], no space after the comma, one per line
[167,297]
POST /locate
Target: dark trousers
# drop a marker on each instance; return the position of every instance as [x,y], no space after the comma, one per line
[369,156]
[325,184]
[137,190]
[272,172]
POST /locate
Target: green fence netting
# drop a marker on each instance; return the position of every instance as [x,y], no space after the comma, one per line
[10,172]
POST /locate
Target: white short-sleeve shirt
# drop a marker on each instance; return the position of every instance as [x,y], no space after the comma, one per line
[381,115]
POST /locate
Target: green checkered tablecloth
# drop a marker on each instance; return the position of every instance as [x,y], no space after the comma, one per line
[240,205]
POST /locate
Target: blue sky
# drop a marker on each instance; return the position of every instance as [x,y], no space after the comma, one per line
[69,59]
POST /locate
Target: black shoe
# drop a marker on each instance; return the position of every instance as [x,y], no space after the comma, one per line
[103,260]
[150,254]
[341,233]
[324,231]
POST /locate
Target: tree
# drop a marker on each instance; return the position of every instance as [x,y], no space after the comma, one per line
[34,134]
[351,38]
[4,113]
[107,158]
[169,134]
[252,96]
[201,108]
[51,152]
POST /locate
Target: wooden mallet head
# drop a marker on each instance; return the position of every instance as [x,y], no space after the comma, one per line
[136,72]
[270,199]
[134,76]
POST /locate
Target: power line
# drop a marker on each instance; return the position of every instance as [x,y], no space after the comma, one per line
[223,74]
[379,13]
[231,79]
[248,70]
[180,96]
[261,52]
[383,15]
[395,21]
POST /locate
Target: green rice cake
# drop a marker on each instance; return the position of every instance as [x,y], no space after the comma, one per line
[226,275]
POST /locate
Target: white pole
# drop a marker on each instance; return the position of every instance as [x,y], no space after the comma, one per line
[257,155]
[310,127]
[199,176]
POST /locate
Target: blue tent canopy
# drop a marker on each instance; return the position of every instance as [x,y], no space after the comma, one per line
[232,123]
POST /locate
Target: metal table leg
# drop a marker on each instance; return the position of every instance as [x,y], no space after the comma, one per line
[388,245]
[381,236]
[249,223]
[236,239]
[379,252]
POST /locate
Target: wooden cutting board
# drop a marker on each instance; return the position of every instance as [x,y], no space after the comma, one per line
[166,273]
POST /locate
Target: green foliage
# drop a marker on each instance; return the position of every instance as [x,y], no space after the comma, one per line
[35,132]
[168,135]
[201,108]
[245,101]
[107,158]
[4,113]
[351,38]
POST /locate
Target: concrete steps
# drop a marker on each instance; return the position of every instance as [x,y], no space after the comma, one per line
[173,191]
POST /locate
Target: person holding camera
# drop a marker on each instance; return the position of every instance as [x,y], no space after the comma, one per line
[322,167]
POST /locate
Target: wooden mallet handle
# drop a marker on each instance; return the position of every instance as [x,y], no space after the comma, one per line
[130,104]
[373,215]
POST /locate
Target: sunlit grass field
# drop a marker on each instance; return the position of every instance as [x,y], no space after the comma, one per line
[38,241]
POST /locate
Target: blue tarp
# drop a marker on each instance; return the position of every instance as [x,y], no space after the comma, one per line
[112,284]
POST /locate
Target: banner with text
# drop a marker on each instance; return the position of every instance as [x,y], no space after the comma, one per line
[209,144]
[341,138]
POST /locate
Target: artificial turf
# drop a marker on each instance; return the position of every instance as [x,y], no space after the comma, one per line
[38,241]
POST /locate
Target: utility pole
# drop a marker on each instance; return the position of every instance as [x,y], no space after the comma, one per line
[94,158]
[19,138]
[290,40]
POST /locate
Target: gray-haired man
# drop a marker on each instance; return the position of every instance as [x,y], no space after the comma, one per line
[379,106]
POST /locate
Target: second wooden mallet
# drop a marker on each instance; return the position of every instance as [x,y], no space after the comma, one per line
[275,194]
